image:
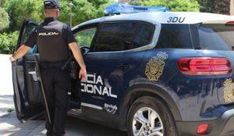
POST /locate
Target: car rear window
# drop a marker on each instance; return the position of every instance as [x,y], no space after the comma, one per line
[215,36]
[198,36]
[175,36]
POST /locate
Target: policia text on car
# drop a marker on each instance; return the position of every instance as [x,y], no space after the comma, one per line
[54,40]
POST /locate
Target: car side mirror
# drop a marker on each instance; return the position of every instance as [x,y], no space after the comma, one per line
[84,50]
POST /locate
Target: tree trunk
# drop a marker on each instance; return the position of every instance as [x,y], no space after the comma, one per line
[221,6]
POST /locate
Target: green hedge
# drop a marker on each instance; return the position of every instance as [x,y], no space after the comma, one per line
[8,42]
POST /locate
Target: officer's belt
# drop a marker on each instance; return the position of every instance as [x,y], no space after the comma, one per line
[50,65]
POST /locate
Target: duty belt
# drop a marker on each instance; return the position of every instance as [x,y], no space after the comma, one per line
[52,65]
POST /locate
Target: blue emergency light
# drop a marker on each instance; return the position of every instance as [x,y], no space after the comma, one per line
[127,9]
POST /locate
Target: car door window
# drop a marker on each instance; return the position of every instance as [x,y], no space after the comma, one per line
[85,37]
[27,27]
[175,36]
[123,36]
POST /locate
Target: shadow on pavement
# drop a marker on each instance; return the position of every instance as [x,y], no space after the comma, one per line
[6,99]
[6,104]
[10,126]
[77,127]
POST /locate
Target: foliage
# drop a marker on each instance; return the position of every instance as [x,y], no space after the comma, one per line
[222,6]
[205,5]
[2,2]
[82,10]
[8,42]
[84,38]
[20,10]
[174,5]
[215,6]
[4,19]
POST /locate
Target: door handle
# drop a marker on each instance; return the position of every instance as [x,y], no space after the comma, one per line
[34,75]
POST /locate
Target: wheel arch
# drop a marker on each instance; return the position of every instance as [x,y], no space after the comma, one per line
[153,90]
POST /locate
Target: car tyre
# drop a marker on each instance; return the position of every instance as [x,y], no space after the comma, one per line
[149,116]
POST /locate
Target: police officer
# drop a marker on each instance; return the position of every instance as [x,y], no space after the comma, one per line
[54,40]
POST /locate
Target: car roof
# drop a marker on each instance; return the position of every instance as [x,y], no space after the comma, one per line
[165,17]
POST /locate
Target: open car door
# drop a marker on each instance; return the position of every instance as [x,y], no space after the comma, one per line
[27,91]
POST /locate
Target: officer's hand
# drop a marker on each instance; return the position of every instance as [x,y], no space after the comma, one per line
[12,59]
[83,74]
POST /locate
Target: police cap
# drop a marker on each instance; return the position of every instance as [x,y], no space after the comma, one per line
[51,4]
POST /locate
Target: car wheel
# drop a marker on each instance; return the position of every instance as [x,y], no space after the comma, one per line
[149,116]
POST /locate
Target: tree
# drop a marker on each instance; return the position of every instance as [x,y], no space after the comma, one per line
[100,5]
[222,6]
[174,5]
[4,19]
[215,6]
[2,2]
[82,10]
[20,10]
[8,42]
[205,5]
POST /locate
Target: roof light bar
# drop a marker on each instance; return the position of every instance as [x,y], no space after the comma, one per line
[127,9]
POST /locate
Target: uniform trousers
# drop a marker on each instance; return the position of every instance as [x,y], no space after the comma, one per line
[56,84]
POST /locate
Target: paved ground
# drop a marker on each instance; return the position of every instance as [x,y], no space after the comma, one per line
[10,126]
[5,75]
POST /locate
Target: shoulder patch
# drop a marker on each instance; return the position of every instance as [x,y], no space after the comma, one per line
[155,66]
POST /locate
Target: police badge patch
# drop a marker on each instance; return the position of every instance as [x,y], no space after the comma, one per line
[155,66]
[228,91]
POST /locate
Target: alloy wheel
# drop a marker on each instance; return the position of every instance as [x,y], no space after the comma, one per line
[147,122]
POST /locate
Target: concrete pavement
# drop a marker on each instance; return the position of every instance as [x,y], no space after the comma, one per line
[6,104]
[6,87]
[10,126]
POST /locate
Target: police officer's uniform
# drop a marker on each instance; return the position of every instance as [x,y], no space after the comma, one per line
[52,38]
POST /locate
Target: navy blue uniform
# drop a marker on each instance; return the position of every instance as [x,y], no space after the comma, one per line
[52,38]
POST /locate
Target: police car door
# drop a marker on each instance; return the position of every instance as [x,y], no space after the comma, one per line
[105,68]
[27,93]
[113,61]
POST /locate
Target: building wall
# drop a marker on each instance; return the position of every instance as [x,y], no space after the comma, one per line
[221,6]
[232,7]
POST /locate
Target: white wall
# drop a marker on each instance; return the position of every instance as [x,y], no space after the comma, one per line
[232,7]
[5,75]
